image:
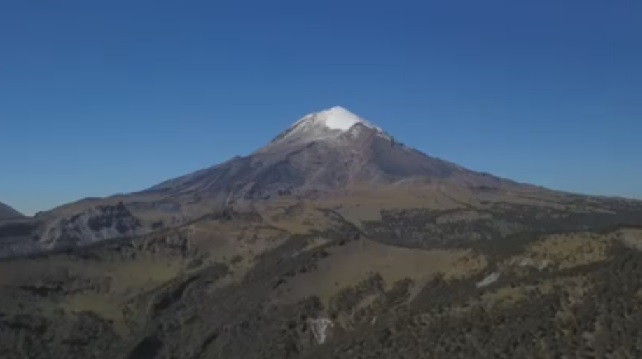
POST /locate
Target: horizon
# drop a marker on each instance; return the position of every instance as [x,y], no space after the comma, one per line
[101,99]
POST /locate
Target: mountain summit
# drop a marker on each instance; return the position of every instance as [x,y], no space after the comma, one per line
[326,125]
[323,151]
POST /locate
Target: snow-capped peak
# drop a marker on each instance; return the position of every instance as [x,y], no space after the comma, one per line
[338,118]
[324,125]
[335,118]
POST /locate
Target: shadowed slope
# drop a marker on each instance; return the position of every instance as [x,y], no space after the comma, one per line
[7,212]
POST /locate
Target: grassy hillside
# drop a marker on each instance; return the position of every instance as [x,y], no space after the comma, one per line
[298,281]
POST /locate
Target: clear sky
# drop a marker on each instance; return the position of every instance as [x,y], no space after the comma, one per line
[99,97]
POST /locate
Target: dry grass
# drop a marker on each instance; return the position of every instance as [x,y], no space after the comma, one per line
[104,306]
[570,250]
[293,216]
[103,284]
[503,296]
[574,285]
[348,265]
[365,204]
[631,238]
[222,241]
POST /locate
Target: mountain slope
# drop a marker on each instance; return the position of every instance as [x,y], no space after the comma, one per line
[332,241]
[329,159]
[236,287]
[7,212]
[329,150]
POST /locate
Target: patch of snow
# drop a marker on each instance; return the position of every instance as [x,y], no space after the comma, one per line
[338,118]
[490,279]
[326,125]
[529,262]
[319,328]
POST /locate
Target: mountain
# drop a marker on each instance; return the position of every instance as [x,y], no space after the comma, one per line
[331,158]
[331,241]
[7,212]
[325,151]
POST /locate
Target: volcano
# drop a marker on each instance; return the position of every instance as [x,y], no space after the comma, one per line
[324,151]
[332,159]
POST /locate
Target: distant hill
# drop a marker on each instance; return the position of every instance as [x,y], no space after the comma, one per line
[7,212]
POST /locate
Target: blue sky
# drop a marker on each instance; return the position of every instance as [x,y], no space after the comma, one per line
[99,97]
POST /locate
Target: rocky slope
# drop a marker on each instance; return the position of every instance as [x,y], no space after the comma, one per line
[325,151]
[24,236]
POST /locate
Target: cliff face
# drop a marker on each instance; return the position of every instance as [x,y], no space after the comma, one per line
[32,235]
[93,225]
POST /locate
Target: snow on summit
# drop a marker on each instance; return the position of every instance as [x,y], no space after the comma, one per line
[338,118]
[324,125]
[335,118]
